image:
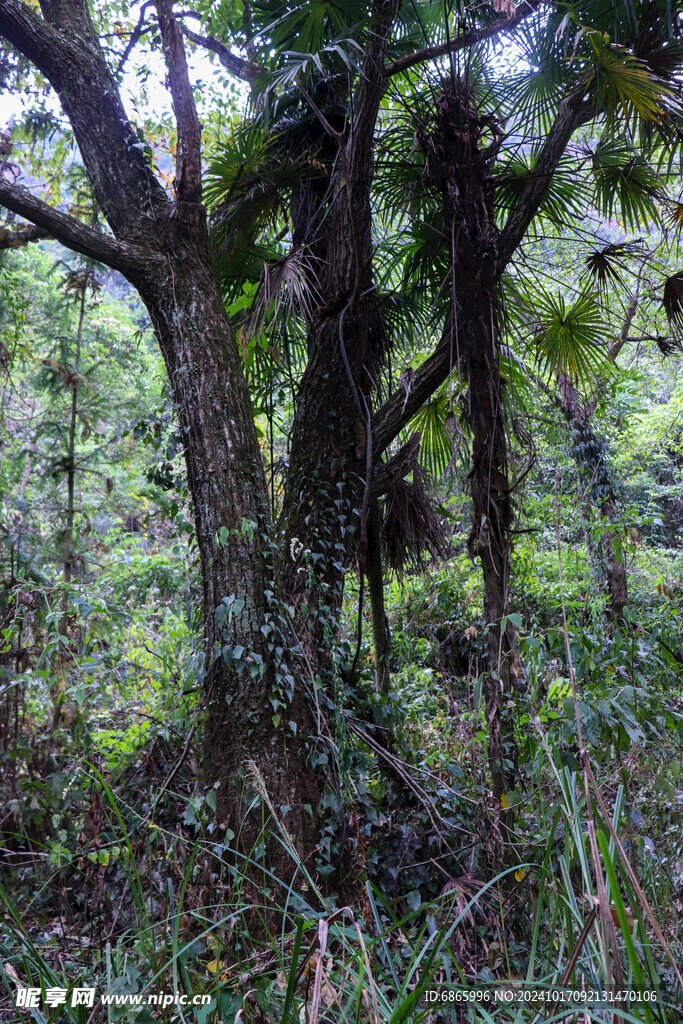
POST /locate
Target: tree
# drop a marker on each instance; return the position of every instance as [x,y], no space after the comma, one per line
[272,596]
[160,244]
[469,190]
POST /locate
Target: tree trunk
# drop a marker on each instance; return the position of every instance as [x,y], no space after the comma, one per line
[327,495]
[460,169]
[381,636]
[257,710]
[491,541]
[256,706]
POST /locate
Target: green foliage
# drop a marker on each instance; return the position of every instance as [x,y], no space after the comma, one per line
[108,828]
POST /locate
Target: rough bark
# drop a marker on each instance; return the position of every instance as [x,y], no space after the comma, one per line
[161,245]
[246,684]
[459,167]
[327,496]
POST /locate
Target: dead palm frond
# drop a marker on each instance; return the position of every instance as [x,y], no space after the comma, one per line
[672,301]
[676,216]
[289,284]
[603,265]
[411,525]
[668,346]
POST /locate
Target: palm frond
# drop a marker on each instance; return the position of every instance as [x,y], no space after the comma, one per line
[440,433]
[672,301]
[529,96]
[247,189]
[624,182]
[668,346]
[340,55]
[406,318]
[411,526]
[603,265]
[312,24]
[565,198]
[570,340]
[515,369]
[289,284]
[676,215]
[624,85]
[561,338]
[426,259]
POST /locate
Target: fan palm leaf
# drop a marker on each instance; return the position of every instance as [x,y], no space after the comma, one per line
[624,85]
[312,24]
[604,265]
[440,433]
[625,183]
[567,197]
[561,337]
[571,339]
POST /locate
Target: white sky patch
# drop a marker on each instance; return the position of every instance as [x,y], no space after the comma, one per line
[142,89]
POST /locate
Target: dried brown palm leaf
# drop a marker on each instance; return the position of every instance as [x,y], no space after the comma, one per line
[603,265]
[677,216]
[668,346]
[672,301]
[411,525]
[289,282]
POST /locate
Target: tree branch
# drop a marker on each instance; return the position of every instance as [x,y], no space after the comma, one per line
[237,66]
[188,179]
[69,231]
[21,236]
[464,40]
[398,466]
[398,410]
[616,345]
[135,35]
[63,46]
[574,110]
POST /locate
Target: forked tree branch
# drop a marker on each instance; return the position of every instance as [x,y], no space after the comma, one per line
[188,179]
[69,231]
[135,36]
[63,46]
[465,39]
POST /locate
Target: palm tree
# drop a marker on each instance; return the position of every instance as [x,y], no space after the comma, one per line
[471,156]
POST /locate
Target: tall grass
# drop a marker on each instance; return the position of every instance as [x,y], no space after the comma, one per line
[369,964]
